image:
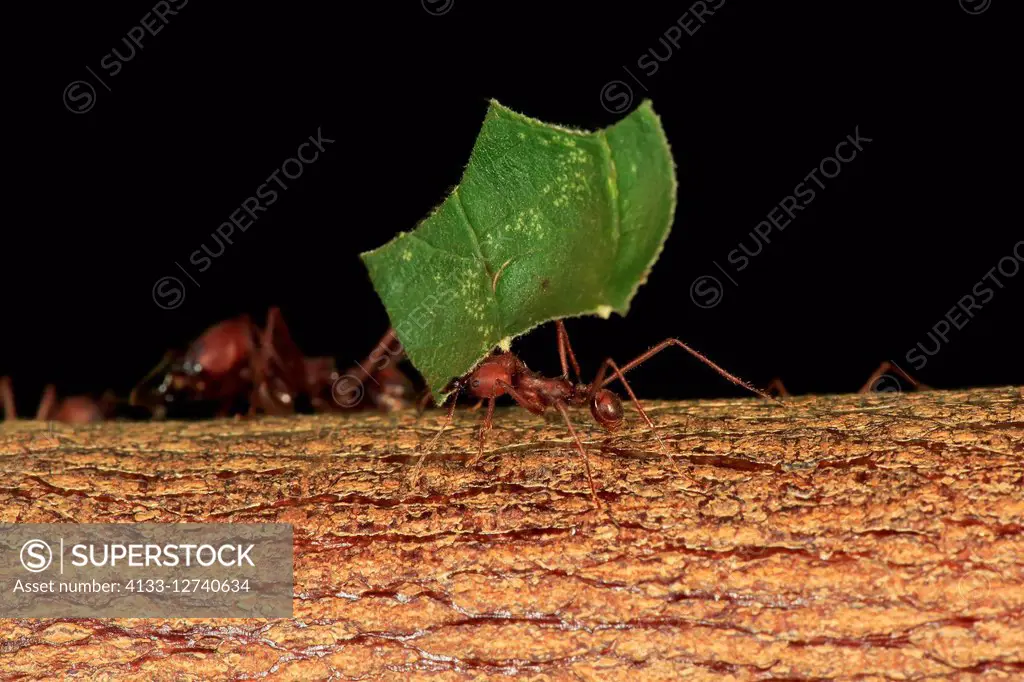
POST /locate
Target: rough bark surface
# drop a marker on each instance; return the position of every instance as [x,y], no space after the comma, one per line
[839,537]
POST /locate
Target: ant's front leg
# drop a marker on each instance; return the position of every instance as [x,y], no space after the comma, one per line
[135,397]
[778,388]
[523,400]
[280,359]
[536,407]
[485,428]
[427,397]
[47,403]
[423,402]
[417,468]
[7,398]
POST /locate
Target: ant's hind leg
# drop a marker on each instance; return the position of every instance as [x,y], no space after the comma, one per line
[583,451]
[617,373]
[7,398]
[875,380]
[647,355]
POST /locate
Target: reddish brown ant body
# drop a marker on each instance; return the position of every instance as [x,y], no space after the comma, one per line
[76,409]
[216,369]
[235,363]
[505,374]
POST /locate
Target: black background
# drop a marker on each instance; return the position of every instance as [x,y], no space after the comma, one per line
[751,102]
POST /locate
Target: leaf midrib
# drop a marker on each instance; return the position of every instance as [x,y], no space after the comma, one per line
[613,171]
[480,254]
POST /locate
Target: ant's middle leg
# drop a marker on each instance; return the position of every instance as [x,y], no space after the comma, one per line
[647,355]
[392,356]
[565,349]
[276,356]
[536,407]
[560,406]
[617,373]
[521,399]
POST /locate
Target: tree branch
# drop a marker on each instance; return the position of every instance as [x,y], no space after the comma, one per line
[874,536]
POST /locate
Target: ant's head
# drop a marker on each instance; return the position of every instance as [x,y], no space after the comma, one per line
[483,382]
[607,409]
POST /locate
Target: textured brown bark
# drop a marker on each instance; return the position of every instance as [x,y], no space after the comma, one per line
[869,537]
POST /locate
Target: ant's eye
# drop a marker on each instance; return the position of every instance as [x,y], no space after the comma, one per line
[475,383]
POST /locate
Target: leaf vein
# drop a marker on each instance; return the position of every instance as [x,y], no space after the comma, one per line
[480,254]
[423,241]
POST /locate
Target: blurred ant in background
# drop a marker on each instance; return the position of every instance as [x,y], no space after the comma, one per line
[76,409]
[235,367]
[882,380]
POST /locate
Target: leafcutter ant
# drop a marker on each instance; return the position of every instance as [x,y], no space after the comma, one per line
[76,409]
[505,374]
[880,381]
[389,389]
[214,372]
[235,367]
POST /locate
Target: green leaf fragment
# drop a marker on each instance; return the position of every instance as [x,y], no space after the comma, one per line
[546,223]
